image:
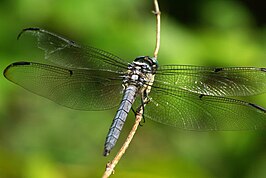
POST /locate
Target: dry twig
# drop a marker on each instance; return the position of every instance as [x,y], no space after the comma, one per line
[158,28]
[110,166]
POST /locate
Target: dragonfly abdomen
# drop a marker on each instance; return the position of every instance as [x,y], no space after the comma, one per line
[120,118]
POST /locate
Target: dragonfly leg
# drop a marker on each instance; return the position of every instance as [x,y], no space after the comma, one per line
[135,113]
[144,100]
[142,105]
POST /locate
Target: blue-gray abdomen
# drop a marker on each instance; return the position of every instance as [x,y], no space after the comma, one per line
[120,118]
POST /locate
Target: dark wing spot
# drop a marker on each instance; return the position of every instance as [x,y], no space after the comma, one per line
[15,64]
[263,69]
[257,107]
[21,63]
[70,72]
[36,29]
[218,69]
[200,96]
[28,29]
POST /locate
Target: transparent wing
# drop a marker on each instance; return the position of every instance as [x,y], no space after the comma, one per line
[68,54]
[82,89]
[190,111]
[234,81]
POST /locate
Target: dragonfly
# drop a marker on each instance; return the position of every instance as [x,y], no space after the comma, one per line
[187,97]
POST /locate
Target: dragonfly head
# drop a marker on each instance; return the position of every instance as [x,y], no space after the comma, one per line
[151,61]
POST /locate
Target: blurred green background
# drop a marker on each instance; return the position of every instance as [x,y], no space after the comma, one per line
[40,139]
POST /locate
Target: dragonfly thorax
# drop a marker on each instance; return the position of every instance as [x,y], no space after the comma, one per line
[141,72]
